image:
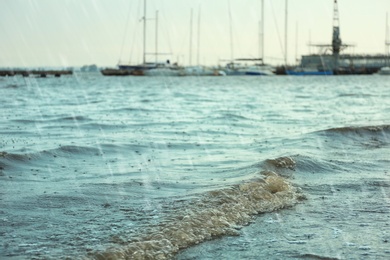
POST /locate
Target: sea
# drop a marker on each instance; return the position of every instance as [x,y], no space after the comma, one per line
[279,167]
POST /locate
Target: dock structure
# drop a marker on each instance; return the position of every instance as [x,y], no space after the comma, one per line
[120,72]
[36,73]
[331,61]
[347,63]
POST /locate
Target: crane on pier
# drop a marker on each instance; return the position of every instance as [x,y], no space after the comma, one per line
[336,40]
[337,45]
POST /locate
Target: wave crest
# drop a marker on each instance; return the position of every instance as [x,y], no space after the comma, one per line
[368,137]
[218,213]
[359,129]
[282,162]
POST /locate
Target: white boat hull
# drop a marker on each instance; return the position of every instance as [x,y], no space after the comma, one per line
[384,71]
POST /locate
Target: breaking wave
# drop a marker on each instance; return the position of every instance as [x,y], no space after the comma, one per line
[216,213]
[360,130]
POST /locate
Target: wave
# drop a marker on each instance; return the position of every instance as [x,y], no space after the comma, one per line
[26,121]
[281,162]
[228,115]
[378,129]
[11,86]
[134,109]
[65,118]
[366,137]
[287,165]
[75,118]
[15,159]
[74,149]
[216,213]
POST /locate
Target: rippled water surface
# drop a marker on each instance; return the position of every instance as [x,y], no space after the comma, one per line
[195,167]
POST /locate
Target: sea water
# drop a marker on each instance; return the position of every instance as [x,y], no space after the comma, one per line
[285,167]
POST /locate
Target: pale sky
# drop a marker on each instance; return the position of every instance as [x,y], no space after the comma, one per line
[36,33]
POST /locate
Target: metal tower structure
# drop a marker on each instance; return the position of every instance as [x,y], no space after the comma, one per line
[336,40]
[339,62]
[337,45]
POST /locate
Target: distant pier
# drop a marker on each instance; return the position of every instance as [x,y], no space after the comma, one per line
[120,72]
[35,73]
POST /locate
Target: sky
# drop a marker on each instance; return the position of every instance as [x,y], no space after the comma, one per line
[62,33]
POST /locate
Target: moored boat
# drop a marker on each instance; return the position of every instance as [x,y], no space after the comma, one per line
[254,69]
[308,72]
[384,71]
[115,72]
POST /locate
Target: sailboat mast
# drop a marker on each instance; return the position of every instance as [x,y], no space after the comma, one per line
[387,40]
[231,33]
[262,32]
[285,36]
[296,41]
[198,43]
[190,54]
[156,47]
[144,54]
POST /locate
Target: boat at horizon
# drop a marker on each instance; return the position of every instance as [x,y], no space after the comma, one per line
[235,68]
[384,71]
[308,72]
[145,68]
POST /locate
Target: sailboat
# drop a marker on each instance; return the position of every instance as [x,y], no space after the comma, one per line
[197,70]
[146,68]
[256,67]
[250,66]
[386,70]
[320,70]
